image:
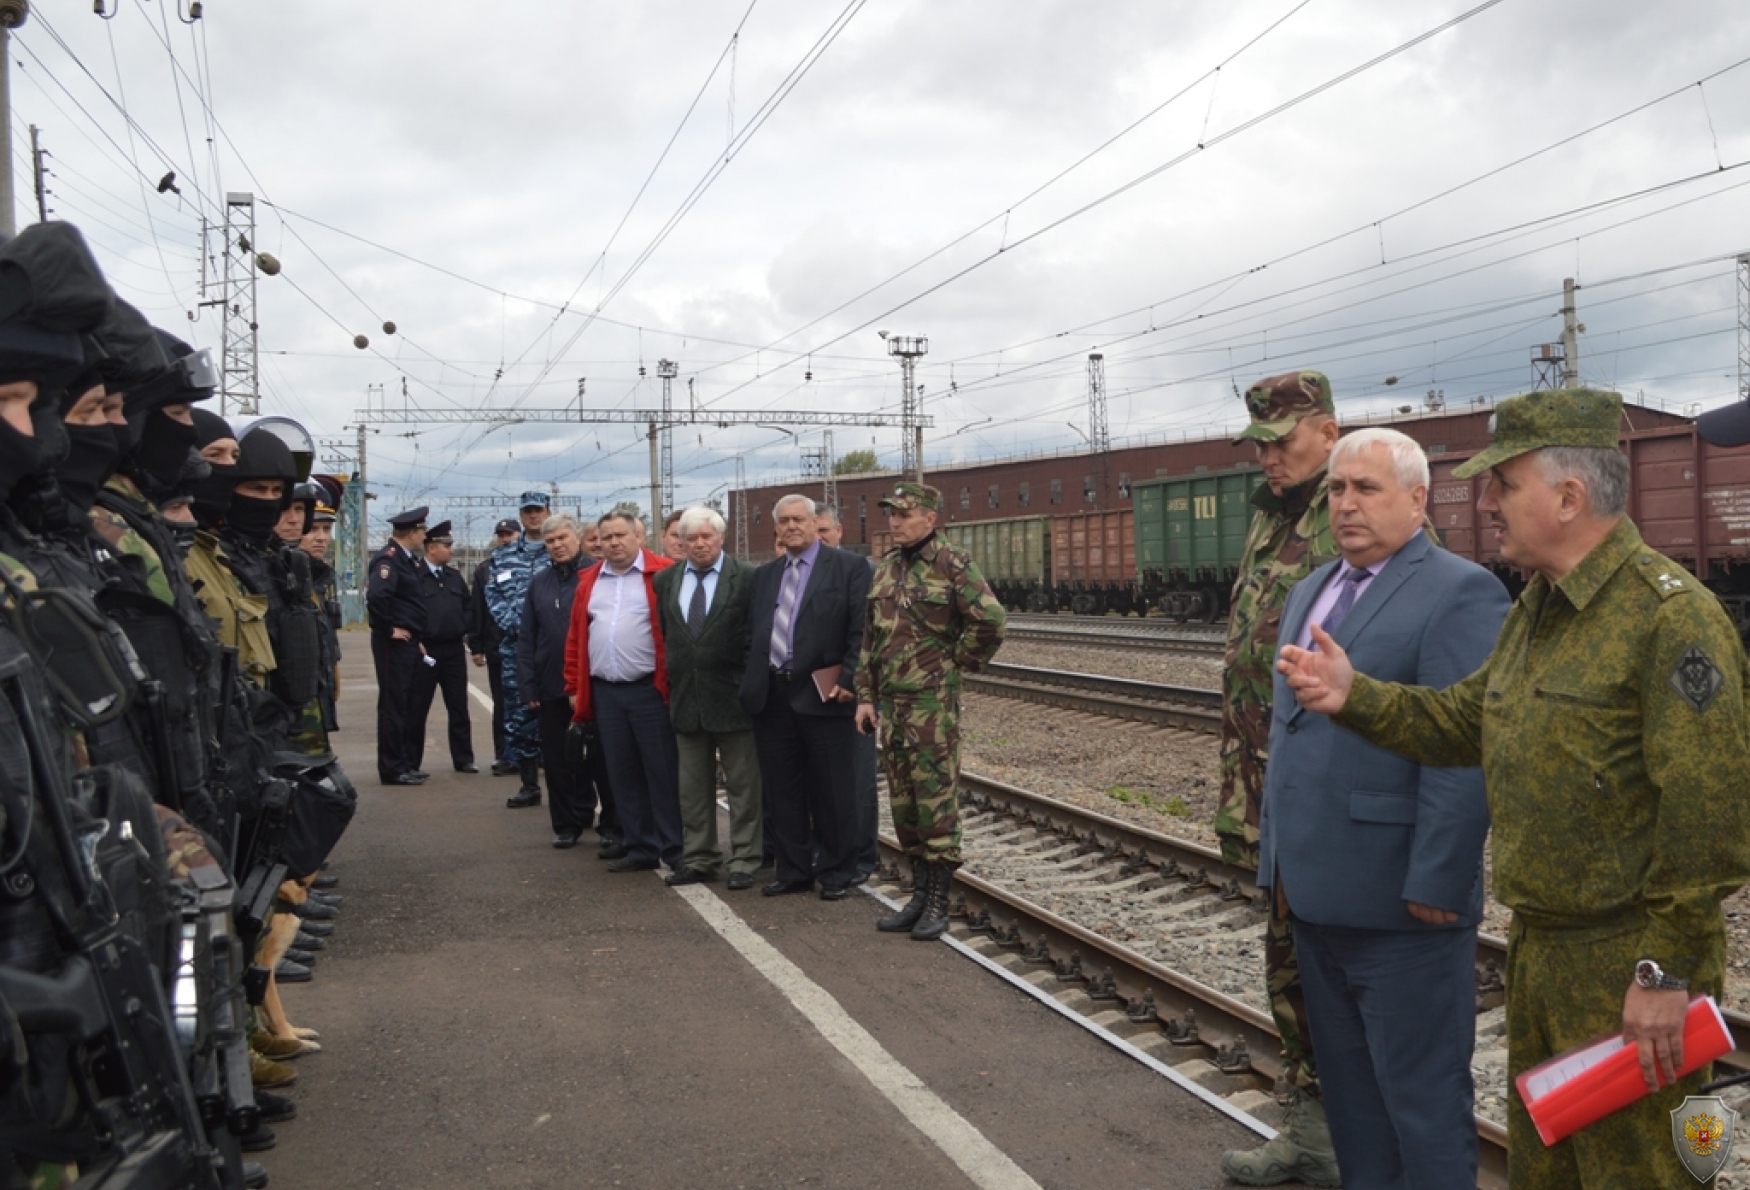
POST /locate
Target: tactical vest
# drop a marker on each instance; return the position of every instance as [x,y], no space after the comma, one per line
[283,578]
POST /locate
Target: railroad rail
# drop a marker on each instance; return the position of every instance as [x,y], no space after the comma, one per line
[1187,708]
[1053,848]
[1114,633]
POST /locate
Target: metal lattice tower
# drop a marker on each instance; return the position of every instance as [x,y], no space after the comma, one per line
[830,477]
[1099,433]
[667,370]
[231,287]
[908,349]
[741,506]
[1744,327]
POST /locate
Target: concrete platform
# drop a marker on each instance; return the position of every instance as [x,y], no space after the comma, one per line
[495,1013]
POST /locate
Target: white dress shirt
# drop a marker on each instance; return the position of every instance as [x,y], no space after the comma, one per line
[690,579]
[622,647]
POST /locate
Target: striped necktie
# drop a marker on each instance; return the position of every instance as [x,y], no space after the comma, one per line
[787,593]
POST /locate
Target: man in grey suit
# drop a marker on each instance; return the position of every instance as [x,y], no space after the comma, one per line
[703,604]
[1377,859]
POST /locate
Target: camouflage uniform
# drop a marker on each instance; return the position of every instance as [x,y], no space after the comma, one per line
[1610,725]
[508,574]
[1290,538]
[114,529]
[242,617]
[931,617]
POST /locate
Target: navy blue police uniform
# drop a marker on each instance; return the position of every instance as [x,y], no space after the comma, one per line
[445,593]
[393,600]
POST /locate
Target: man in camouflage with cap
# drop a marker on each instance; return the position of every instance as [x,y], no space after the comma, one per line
[931,618]
[1610,725]
[513,565]
[1294,428]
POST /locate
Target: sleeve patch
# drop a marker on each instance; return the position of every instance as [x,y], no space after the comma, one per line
[383,571]
[1697,679]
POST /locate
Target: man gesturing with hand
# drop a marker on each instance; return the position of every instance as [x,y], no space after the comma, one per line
[1609,723]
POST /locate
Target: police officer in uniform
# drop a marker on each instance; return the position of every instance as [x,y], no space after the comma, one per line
[931,618]
[446,616]
[485,641]
[1610,724]
[514,566]
[397,613]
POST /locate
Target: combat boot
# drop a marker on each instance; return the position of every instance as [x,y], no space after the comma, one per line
[934,922]
[1301,1152]
[503,768]
[907,916]
[530,793]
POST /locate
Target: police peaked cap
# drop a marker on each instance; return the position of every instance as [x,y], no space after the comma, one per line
[265,456]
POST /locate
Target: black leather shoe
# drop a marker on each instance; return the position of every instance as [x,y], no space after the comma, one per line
[687,876]
[308,941]
[316,911]
[275,1109]
[317,929]
[421,774]
[303,957]
[738,882]
[468,767]
[859,878]
[258,1139]
[332,900]
[288,972]
[781,888]
[324,883]
[564,841]
[617,851]
[406,779]
[255,1175]
[522,800]
[631,864]
[505,768]
[833,892]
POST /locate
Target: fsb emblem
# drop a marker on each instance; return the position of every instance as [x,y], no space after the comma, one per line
[1702,1130]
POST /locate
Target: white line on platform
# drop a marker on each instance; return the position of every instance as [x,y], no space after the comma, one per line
[988,1166]
[481,697]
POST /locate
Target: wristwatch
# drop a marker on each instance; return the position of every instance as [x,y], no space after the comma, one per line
[1649,975]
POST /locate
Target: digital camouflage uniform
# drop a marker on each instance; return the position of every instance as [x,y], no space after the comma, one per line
[1290,538]
[931,618]
[1610,725]
[512,566]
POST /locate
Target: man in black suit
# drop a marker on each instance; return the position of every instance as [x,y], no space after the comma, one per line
[805,620]
[445,664]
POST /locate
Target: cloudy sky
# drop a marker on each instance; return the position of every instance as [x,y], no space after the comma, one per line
[542,195]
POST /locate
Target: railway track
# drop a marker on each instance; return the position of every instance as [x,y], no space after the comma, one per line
[1187,708]
[1115,633]
[1168,970]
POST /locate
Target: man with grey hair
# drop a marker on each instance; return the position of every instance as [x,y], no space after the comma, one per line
[703,603]
[1610,725]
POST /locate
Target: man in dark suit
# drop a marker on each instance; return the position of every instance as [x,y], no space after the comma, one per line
[805,622]
[1378,860]
[704,605]
[445,664]
[397,615]
[485,641]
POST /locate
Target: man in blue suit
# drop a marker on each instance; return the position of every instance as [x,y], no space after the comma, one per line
[1379,859]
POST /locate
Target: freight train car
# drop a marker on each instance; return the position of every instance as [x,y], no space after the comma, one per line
[1014,555]
[1093,564]
[1190,535]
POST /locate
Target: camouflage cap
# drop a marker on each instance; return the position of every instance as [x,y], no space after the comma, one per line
[1278,404]
[1550,417]
[913,495]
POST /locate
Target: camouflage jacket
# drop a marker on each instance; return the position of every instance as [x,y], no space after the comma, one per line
[931,618]
[1610,725]
[509,570]
[113,528]
[1290,538]
[242,617]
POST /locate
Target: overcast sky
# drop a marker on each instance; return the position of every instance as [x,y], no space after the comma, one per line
[461,170]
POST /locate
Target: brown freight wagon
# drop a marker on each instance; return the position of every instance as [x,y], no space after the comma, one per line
[1093,563]
[1690,500]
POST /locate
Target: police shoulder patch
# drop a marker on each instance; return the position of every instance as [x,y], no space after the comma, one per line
[383,571]
[1697,679]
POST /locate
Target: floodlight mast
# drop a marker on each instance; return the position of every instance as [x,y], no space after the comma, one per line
[908,349]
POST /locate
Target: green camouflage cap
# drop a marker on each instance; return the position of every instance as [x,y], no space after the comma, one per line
[1550,417]
[913,495]
[1278,404]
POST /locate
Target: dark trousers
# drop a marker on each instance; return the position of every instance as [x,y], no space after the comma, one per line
[495,682]
[397,662]
[570,796]
[637,739]
[451,675]
[1393,1016]
[607,823]
[868,803]
[808,774]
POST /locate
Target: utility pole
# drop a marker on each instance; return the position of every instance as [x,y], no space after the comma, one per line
[1099,436]
[1570,336]
[233,279]
[741,507]
[653,529]
[830,489]
[908,349]
[37,153]
[666,370]
[1744,327]
[13,13]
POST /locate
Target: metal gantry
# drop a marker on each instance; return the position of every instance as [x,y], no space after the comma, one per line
[229,273]
[666,370]
[740,509]
[908,349]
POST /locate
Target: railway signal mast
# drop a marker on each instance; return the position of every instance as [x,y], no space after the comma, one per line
[1099,434]
[908,349]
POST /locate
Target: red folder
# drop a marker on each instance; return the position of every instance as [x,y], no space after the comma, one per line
[1584,1085]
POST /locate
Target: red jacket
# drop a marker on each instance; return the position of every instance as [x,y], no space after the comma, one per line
[577,640]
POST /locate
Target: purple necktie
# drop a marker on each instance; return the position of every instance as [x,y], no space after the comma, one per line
[787,592]
[1346,600]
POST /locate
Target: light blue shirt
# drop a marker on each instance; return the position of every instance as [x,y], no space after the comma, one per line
[691,579]
[622,646]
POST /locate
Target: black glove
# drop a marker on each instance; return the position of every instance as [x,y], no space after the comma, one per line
[577,740]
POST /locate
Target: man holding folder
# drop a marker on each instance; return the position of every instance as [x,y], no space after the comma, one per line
[1609,722]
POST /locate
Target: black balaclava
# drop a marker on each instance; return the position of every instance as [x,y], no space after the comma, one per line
[92,455]
[263,456]
[157,446]
[212,491]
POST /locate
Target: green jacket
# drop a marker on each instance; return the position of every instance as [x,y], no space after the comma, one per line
[1610,725]
[704,672]
[1290,538]
[241,617]
[930,619]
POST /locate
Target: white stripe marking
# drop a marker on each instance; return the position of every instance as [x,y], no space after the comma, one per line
[985,1164]
[481,697]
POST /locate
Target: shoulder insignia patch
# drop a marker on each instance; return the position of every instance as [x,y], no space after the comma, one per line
[383,571]
[1697,679]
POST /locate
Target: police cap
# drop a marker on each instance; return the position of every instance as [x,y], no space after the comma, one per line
[1550,417]
[507,526]
[439,533]
[413,518]
[532,500]
[912,495]
[1278,404]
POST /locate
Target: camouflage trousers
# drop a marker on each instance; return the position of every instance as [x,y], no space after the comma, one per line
[1287,998]
[1242,803]
[1565,988]
[921,754]
[522,723]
